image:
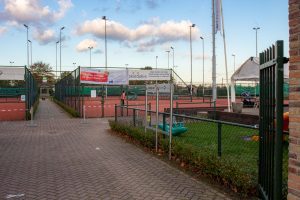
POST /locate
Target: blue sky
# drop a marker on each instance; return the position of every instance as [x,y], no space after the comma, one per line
[138,31]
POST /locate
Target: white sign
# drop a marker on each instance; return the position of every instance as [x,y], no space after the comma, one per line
[44,79]
[23,97]
[93,94]
[162,88]
[12,73]
[118,77]
[149,75]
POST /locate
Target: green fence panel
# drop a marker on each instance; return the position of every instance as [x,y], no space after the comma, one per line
[271,122]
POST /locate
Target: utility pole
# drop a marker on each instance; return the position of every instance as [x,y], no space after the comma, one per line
[105,19]
[62,28]
[233,62]
[30,52]
[256,29]
[27,45]
[90,56]
[173,61]
[202,38]
[168,58]
[193,25]
[56,58]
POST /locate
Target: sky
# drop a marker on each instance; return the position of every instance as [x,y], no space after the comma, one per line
[138,31]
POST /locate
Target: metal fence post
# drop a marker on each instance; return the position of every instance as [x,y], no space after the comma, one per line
[31,117]
[279,121]
[219,139]
[271,122]
[102,101]
[164,122]
[134,110]
[116,113]
[150,114]
[84,109]
[127,108]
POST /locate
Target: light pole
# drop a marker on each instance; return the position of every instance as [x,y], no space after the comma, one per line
[56,58]
[173,57]
[105,41]
[27,45]
[233,62]
[256,28]
[168,58]
[62,28]
[74,63]
[30,52]
[126,65]
[11,63]
[90,56]
[193,25]
[202,38]
[156,61]
[105,19]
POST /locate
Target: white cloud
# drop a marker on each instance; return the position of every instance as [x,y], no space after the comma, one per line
[32,11]
[36,15]
[44,37]
[146,35]
[3,30]
[85,44]
[115,30]
[64,6]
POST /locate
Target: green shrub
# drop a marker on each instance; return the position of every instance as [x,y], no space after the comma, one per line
[146,139]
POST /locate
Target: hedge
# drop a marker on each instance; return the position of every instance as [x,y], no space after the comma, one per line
[203,163]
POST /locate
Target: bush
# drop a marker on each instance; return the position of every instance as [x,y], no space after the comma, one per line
[201,162]
[137,134]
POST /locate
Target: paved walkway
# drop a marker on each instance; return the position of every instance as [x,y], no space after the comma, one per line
[62,158]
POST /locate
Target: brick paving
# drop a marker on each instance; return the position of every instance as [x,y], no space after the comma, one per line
[62,158]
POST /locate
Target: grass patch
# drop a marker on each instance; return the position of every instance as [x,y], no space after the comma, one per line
[238,164]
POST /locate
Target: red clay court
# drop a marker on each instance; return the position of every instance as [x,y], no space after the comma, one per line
[93,105]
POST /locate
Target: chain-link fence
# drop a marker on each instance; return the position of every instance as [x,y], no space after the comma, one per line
[32,90]
[69,91]
[18,92]
[230,150]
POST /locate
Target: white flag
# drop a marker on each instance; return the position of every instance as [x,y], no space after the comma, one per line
[217,16]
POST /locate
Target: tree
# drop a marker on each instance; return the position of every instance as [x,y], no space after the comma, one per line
[42,70]
[64,74]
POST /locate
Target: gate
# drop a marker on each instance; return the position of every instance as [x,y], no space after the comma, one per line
[271,122]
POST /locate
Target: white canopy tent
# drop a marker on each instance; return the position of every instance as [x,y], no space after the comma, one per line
[249,71]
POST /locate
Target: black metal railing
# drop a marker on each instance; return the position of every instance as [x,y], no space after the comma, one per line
[234,143]
[271,122]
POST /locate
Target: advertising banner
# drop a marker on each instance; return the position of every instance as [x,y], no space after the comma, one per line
[12,73]
[101,77]
[93,76]
[149,75]
[118,77]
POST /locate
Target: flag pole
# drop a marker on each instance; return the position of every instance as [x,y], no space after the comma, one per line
[225,55]
[214,89]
